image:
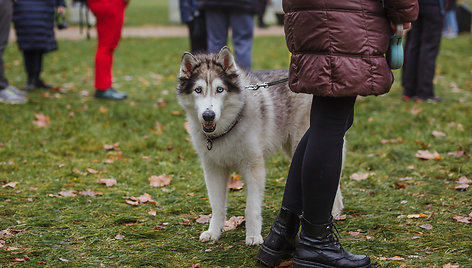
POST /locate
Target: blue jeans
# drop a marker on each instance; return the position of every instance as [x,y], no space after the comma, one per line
[6,9]
[450,23]
[242,28]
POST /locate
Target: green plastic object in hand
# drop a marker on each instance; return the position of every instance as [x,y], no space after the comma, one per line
[395,50]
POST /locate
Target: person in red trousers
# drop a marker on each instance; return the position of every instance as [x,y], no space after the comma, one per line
[110,17]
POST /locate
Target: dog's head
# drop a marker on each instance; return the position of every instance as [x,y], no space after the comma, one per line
[209,88]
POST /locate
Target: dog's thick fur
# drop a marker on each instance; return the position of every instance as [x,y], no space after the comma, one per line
[234,129]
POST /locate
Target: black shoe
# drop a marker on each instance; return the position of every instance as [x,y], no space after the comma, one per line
[110,94]
[30,83]
[280,243]
[319,247]
[41,84]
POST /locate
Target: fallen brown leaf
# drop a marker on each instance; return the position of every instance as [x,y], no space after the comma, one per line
[90,193]
[425,154]
[41,120]
[159,181]
[361,176]
[70,193]
[233,223]
[107,182]
[234,183]
[462,219]
[203,218]
[10,184]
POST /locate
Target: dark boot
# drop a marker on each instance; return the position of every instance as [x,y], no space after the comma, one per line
[39,83]
[30,83]
[280,243]
[319,247]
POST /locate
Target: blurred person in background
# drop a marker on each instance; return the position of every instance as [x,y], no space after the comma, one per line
[451,28]
[110,18]
[34,27]
[8,94]
[195,20]
[421,50]
[220,15]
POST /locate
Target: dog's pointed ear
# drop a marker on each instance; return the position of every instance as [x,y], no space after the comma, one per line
[226,59]
[187,64]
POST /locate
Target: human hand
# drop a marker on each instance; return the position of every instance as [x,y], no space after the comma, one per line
[60,10]
[406,26]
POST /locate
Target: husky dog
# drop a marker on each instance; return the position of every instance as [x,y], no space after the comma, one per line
[234,129]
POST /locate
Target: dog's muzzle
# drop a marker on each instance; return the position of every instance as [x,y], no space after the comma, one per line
[209,125]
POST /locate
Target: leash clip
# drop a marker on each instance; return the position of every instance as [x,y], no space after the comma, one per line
[257,86]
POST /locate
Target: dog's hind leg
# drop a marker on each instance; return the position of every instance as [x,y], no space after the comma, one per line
[216,179]
[255,180]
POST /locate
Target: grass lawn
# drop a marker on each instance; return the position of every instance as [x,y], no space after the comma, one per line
[402,215]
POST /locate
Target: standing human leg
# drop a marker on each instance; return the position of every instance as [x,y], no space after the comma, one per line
[430,43]
[110,18]
[330,118]
[217,24]
[410,65]
[5,20]
[30,63]
[280,242]
[242,27]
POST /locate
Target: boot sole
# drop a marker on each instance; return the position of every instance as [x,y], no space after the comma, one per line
[272,258]
[307,264]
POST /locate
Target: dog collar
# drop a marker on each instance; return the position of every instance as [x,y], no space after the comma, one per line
[211,139]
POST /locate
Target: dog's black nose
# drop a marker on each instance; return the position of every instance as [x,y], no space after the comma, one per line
[208,115]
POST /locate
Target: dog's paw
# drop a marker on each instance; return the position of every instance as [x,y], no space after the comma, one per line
[210,236]
[254,240]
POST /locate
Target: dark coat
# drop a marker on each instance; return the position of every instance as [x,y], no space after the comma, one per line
[338,46]
[242,6]
[34,24]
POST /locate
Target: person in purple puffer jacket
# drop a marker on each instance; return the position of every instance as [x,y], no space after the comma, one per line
[338,52]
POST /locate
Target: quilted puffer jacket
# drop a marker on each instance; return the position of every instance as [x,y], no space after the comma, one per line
[338,46]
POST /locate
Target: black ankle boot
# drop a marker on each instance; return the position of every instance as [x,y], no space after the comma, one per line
[30,83]
[39,83]
[280,243]
[319,247]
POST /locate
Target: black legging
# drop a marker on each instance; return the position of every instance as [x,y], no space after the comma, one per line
[314,173]
[33,61]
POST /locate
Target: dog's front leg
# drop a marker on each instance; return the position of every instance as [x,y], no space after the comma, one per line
[255,180]
[216,179]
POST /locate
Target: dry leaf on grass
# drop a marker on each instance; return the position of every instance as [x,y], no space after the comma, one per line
[425,154]
[395,258]
[107,182]
[110,147]
[234,183]
[92,171]
[233,223]
[10,184]
[361,176]
[462,219]
[41,120]
[426,226]
[159,181]
[203,218]
[464,180]
[70,193]
[144,198]
[450,265]
[462,187]
[90,193]
[438,134]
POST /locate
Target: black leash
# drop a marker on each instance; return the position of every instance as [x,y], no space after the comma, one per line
[266,84]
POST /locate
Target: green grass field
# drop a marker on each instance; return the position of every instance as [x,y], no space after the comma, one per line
[388,216]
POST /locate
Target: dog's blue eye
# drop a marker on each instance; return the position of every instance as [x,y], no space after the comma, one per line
[220,89]
[198,90]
